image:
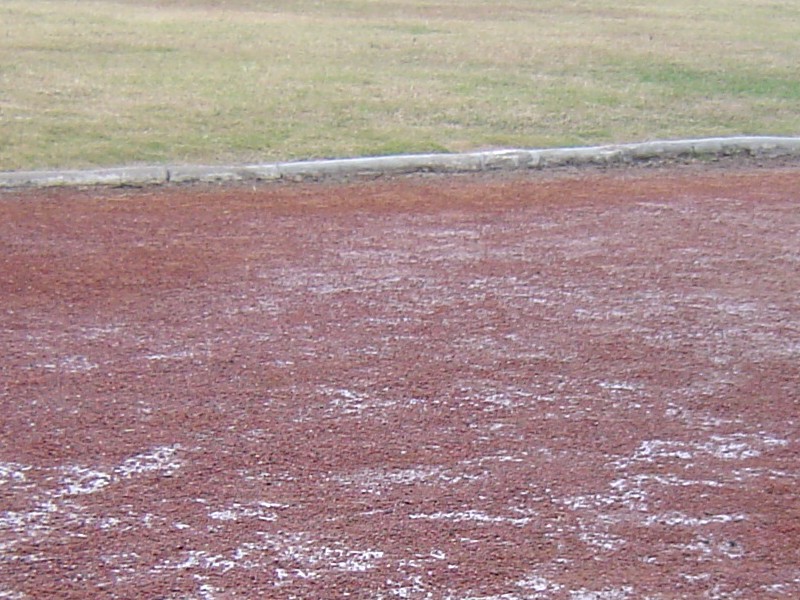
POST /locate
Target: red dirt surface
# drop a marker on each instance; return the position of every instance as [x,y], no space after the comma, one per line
[582,386]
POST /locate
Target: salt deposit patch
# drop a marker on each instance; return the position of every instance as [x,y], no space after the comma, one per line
[161,459]
[176,355]
[739,446]
[741,475]
[30,522]
[474,516]
[236,512]
[508,399]
[506,596]
[735,446]
[301,556]
[70,364]
[537,583]
[651,450]
[412,587]
[13,472]
[619,593]
[679,519]
[98,332]
[634,500]
[207,591]
[376,481]
[602,540]
[632,492]
[619,386]
[78,480]
[711,549]
[543,589]
[197,559]
[350,402]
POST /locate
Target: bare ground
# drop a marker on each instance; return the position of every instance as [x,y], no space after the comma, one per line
[582,386]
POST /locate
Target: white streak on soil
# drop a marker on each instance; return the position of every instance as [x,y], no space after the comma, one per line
[471,515]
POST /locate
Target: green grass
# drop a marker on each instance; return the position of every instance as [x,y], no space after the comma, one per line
[96,82]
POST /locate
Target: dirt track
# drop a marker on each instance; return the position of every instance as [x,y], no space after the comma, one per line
[577,386]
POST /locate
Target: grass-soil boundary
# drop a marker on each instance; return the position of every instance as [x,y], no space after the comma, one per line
[759,147]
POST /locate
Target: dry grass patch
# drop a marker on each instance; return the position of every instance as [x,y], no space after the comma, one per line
[100,83]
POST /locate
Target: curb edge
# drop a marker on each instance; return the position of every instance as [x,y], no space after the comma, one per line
[509,159]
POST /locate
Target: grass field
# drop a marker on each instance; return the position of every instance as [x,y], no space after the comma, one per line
[96,82]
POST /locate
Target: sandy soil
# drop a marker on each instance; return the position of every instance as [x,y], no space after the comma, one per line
[582,386]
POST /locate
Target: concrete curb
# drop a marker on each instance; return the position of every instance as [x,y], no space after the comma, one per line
[411,163]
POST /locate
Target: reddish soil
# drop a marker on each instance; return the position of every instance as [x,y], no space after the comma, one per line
[581,386]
